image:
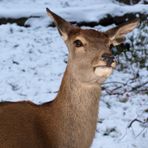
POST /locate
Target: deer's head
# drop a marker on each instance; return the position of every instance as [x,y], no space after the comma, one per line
[90,58]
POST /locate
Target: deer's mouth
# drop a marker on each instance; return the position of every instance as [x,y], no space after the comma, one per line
[104,64]
[102,69]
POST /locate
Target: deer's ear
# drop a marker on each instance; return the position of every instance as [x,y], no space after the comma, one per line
[63,26]
[117,34]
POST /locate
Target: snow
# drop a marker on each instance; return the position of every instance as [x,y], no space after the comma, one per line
[27,55]
[32,62]
[73,11]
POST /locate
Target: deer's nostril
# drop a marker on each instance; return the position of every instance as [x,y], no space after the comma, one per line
[108,58]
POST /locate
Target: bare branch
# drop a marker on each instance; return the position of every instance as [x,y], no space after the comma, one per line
[136,120]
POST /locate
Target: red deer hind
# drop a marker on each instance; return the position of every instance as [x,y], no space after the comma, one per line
[70,120]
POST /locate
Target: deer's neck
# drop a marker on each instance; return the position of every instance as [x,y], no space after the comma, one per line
[76,93]
[79,101]
[76,108]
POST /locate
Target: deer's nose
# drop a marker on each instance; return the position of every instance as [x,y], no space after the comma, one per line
[108,58]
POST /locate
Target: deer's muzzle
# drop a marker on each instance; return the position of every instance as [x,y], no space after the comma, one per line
[109,60]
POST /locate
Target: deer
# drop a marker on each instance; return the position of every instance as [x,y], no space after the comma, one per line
[69,121]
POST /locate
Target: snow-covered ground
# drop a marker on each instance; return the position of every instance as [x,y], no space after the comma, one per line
[83,10]
[32,62]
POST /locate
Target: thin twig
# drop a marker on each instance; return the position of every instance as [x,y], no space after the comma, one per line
[139,86]
[135,120]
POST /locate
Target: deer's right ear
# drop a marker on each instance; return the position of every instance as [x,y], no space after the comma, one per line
[63,26]
[117,34]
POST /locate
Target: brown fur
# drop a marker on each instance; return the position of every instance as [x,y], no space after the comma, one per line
[70,120]
[57,124]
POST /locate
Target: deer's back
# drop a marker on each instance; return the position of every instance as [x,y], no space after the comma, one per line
[20,126]
[25,125]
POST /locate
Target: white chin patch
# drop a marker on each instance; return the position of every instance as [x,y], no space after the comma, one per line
[103,71]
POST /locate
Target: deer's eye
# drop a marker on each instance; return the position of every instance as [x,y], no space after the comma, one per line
[78,43]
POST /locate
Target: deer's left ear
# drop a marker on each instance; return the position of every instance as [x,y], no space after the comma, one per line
[117,34]
[63,26]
